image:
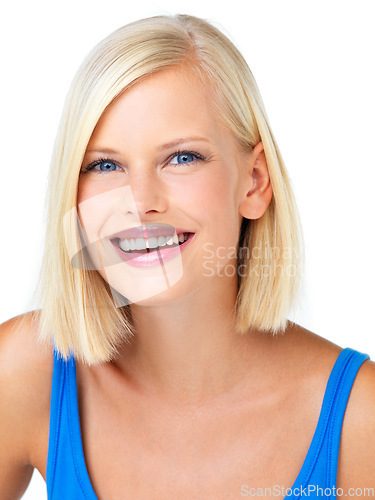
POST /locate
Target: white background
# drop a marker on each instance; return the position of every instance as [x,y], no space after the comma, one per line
[313,62]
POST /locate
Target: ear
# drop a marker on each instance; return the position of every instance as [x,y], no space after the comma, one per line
[256,189]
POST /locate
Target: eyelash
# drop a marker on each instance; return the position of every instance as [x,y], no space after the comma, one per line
[91,166]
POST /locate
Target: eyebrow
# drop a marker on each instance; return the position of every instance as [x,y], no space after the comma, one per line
[177,142]
[163,147]
[103,150]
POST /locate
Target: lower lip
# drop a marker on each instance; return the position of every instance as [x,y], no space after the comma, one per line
[153,258]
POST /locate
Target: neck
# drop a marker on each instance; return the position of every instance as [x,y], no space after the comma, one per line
[188,349]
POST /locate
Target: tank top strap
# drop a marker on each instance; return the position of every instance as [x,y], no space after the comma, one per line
[321,463]
[67,475]
[57,392]
[339,395]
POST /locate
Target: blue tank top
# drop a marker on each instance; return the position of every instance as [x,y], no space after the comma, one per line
[67,475]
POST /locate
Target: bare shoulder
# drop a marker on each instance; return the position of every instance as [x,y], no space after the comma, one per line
[19,338]
[357,448]
[25,386]
[356,468]
[23,357]
[310,353]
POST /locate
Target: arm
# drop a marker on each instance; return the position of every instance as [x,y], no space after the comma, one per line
[19,398]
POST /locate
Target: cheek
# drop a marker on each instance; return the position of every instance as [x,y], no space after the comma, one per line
[213,203]
[222,202]
[82,190]
[88,189]
[215,195]
[92,207]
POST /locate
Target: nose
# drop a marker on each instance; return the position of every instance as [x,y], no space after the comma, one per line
[149,193]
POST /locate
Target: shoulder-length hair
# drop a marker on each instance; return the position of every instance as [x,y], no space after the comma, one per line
[78,313]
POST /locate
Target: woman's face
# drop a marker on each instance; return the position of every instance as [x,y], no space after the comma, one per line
[160,163]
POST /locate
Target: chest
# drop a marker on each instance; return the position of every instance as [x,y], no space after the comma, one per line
[140,450]
[196,461]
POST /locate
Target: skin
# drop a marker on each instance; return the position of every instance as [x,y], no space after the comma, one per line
[192,350]
[189,409]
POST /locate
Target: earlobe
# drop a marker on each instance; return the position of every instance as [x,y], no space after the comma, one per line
[258,190]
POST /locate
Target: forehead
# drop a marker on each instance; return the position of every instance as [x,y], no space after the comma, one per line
[174,100]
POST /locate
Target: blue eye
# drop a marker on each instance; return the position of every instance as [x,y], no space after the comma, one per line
[185,157]
[104,166]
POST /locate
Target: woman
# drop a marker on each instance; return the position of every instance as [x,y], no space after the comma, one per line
[172,261]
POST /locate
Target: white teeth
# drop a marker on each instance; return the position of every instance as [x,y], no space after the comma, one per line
[152,243]
[142,243]
[124,245]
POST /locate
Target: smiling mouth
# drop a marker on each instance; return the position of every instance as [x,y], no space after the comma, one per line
[142,246]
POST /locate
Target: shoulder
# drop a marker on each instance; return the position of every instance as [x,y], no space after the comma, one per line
[25,383]
[22,355]
[357,447]
[315,356]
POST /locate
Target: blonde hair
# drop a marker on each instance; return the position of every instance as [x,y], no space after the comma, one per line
[78,312]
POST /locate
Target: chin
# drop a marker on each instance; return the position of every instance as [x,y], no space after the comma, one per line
[168,296]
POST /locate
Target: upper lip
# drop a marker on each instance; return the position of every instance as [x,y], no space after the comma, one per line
[148,231]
